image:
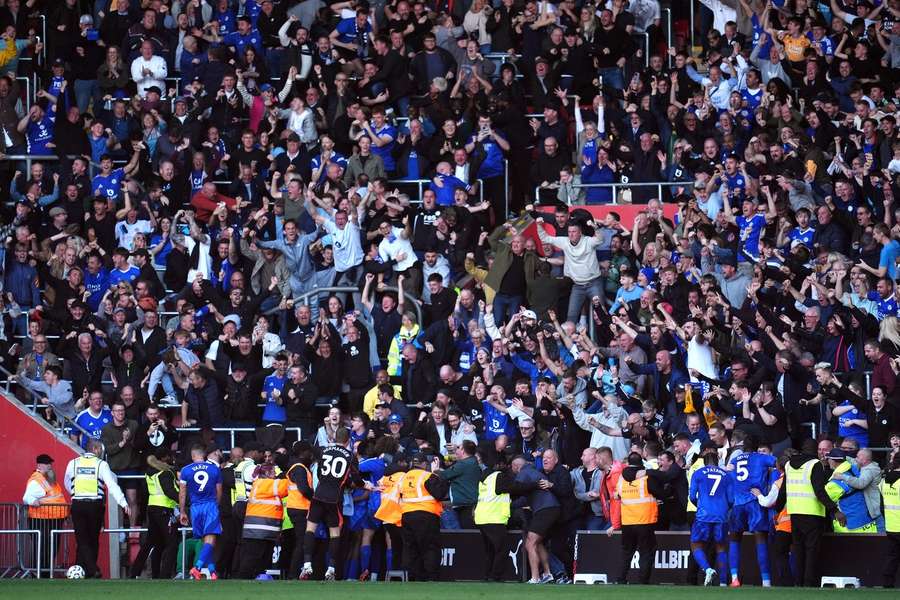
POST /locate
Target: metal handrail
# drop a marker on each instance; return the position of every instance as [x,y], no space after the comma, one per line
[346,289]
[421,182]
[659,185]
[668,13]
[37,547]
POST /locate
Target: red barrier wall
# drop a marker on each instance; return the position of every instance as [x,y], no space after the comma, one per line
[22,438]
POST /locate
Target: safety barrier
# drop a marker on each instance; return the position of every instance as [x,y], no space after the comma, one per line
[37,547]
[411,300]
[659,185]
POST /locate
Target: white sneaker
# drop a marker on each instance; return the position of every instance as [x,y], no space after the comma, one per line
[329,574]
[306,572]
[710,576]
[534,581]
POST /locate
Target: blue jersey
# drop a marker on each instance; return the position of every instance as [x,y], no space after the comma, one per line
[712,491]
[751,470]
[444,194]
[96,286]
[753,98]
[846,429]
[116,276]
[196,179]
[227,21]
[496,423]
[737,185]
[40,133]
[750,230]
[385,151]
[108,186]
[201,479]
[804,236]
[492,165]
[239,41]
[273,411]
[91,424]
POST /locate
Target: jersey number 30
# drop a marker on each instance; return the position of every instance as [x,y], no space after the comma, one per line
[336,466]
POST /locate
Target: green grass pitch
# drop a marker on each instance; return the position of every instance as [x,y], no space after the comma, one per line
[286,590]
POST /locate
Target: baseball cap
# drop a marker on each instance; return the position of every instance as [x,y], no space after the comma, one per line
[265,87]
[528,314]
[154,88]
[58,62]
[234,319]
[395,419]
[238,366]
[836,454]
[44,459]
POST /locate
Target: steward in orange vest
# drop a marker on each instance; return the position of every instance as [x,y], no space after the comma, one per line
[47,505]
[421,492]
[639,515]
[262,521]
[300,492]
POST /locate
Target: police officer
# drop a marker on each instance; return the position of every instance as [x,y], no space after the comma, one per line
[89,479]
[491,516]
[890,495]
[162,528]
[420,503]
[639,516]
[807,501]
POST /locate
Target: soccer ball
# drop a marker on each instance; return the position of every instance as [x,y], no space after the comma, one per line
[75,572]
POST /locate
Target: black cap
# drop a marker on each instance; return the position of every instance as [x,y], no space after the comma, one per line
[58,62]
[44,459]
[154,88]
[238,366]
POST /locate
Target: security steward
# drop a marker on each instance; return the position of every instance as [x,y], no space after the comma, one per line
[162,527]
[254,454]
[89,479]
[890,497]
[640,513]
[300,492]
[420,503]
[46,502]
[491,516]
[262,521]
[807,501]
[223,553]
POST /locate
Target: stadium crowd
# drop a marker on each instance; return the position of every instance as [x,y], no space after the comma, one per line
[222,164]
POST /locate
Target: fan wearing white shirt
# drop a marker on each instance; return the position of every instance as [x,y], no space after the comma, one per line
[395,246]
[148,70]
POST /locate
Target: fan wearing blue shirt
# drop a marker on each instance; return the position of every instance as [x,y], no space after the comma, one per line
[38,126]
[122,271]
[751,225]
[108,182]
[750,470]
[712,492]
[890,250]
[802,233]
[93,418]
[444,185]
[201,481]
[382,135]
[243,37]
[274,411]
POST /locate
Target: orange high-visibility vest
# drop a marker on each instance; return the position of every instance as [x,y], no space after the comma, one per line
[783,518]
[53,504]
[389,511]
[638,504]
[414,496]
[265,509]
[295,499]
